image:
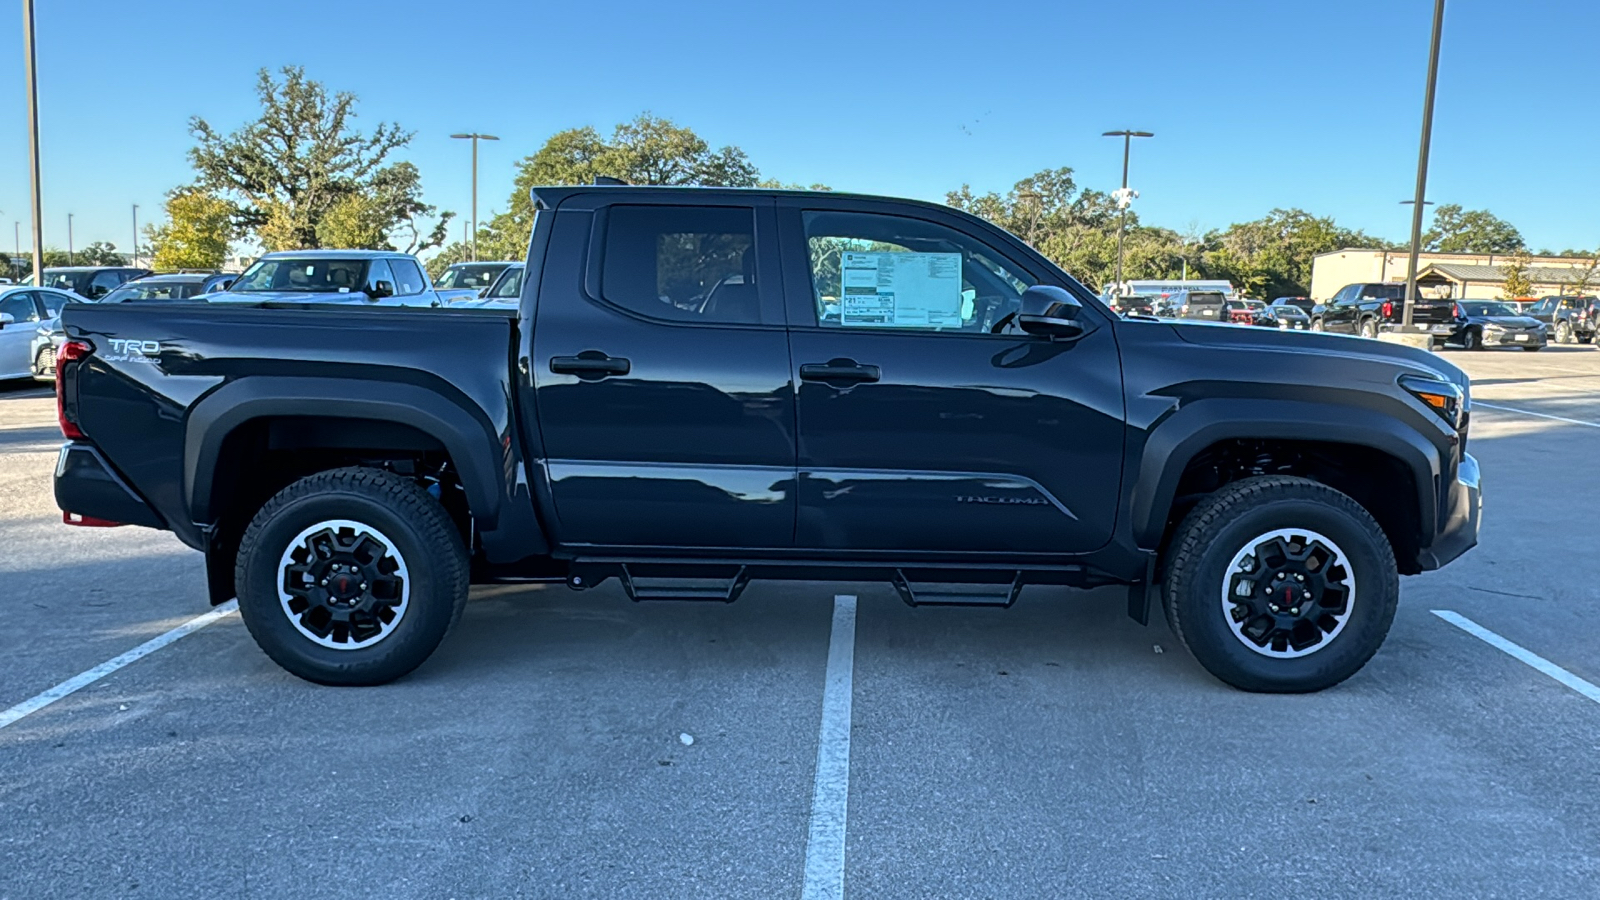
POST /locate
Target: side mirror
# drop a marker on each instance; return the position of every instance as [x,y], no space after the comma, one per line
[381,289]
[1049,311]
[7,319]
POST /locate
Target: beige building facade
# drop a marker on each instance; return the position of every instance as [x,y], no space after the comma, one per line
[1448,274]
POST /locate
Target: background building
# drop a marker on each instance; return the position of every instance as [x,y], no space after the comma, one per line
[1450,274]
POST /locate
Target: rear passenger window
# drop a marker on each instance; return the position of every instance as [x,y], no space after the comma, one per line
[407,277]
[686,263]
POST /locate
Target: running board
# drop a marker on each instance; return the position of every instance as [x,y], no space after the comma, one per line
[924,593]
[641,586]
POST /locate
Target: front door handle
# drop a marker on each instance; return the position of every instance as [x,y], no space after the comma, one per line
[840,372]
[590,365]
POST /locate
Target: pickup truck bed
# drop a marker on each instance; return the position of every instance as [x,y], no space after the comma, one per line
[680,405]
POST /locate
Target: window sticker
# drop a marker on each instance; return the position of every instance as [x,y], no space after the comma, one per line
[901,290]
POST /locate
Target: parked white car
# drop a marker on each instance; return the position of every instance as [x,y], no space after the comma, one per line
[27,317]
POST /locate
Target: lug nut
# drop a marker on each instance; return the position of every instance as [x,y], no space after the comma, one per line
[1298,577]
[1295,611]
[1305,595]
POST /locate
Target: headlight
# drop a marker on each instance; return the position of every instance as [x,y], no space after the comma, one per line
[1444,398]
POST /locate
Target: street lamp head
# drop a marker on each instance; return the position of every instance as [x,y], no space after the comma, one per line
[1409,202]
[481,137]
[1127,133]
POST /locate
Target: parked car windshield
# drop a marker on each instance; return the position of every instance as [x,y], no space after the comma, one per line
[1487,309]
[307,275]
[470,275]
[135,292]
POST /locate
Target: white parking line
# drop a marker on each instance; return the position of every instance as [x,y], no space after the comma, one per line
[831,794]
[1521,653]
[78,682]
[1525,412]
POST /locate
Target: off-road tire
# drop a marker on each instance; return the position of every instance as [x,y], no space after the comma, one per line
[1197,560]
[425,539]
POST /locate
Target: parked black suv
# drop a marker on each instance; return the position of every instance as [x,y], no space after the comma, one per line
[1568,319]
[706,386]
[88,282]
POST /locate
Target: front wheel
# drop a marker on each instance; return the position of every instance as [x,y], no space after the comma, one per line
[1563,333]
[351,576]
[1280,584]
[1316,325]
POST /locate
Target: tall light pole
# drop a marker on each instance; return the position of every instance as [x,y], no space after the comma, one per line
[135,235]
[1422,163]
[33,143]
[69,239]
[1124,197]
[475,138]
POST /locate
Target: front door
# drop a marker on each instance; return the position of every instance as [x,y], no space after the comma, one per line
[920,428]
[661,373]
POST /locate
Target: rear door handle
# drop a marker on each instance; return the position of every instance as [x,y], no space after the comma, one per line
[590,365]
[838,372]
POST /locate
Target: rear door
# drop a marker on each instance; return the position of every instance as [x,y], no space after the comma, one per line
[921,430]
[661,376]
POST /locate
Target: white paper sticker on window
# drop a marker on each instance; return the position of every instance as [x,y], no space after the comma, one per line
[900,290]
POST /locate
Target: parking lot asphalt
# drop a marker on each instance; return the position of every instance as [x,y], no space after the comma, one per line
[577,745]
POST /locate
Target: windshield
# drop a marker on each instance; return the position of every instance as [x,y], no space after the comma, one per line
[302,275]
[156,291]
[1488,309]
[52,279]
[470,275]
[510,286]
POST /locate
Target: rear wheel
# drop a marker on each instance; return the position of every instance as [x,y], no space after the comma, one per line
[1280,584]
[1473,339]
[351,577]
[1369,328]
[44,365]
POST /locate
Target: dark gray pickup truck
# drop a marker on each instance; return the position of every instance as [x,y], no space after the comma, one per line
[701,387]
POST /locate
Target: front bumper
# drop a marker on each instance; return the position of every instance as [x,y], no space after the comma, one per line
[1462,516]
[1513,338]
[86,485]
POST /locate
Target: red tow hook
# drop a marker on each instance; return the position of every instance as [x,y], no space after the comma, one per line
[72,518]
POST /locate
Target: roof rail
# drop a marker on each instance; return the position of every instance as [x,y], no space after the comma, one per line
[607,179]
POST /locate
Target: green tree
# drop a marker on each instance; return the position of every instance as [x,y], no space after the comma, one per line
[1076,229]
[1272,256]
[1582,277]
[196,234]
[647,150]
[303,161]
[99,253]
[1517,283]
[1456,230]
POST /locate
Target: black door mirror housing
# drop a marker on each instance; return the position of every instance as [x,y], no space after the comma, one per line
[380,289]
[1050,311]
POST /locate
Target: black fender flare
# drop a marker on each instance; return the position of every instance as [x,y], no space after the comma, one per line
[469,439]
[1199,424]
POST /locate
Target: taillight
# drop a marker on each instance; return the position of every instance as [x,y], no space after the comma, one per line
[1458,312]
[1387,309]
[70,352]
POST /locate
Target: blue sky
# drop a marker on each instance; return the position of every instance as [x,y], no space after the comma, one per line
[1255,104]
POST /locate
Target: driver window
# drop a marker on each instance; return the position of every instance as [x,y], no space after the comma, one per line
[376,272]
[880,271]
